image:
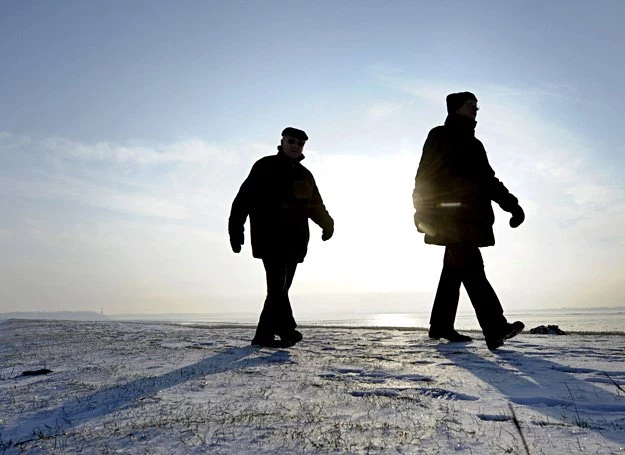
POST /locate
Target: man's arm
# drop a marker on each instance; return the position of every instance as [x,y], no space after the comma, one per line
[498,192]
[319,214]
[241,207]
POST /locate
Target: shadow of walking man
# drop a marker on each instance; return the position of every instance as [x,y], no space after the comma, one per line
[550,388]
[78,410]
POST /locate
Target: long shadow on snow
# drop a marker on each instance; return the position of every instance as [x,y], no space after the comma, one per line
[98,404]
[547,387]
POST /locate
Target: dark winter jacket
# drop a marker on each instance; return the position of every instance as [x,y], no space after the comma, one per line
[279,195]
[455,185]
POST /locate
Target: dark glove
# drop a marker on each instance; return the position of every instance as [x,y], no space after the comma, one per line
[236,240]
[327,233]
[518,216]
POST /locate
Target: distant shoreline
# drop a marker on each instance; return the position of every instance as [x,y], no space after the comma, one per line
[231,325]
[368,327]
[571,320]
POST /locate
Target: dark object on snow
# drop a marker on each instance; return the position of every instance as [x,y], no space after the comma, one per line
[548,330]
[37,372]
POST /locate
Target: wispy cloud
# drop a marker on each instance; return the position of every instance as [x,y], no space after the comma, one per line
[383,110]
[174,180]
[190,151]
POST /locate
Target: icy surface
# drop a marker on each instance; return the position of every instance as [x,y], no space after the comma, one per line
[119,387]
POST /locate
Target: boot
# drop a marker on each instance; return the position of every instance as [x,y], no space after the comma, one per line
[448,334]
[291,338]
[509,331]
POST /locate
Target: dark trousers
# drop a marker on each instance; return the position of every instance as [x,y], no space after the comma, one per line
[277,315]
[464,265]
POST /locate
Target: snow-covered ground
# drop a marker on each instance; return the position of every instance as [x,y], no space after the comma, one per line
[121,387]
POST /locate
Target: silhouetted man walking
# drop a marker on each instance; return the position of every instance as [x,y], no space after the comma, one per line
[279,195]
[452,198]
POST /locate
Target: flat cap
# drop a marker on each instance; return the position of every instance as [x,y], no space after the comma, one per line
[294,132]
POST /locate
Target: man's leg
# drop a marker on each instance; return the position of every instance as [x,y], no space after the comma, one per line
[488,309]
[447,294]
[285,322]
[445,305]
[277,315]
[483,297]
[275,276]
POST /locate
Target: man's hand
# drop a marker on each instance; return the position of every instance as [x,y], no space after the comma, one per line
[518,216]
[327,233]
[236,240]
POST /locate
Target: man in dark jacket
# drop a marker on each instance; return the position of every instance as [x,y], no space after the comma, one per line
[452,198]
[279,195]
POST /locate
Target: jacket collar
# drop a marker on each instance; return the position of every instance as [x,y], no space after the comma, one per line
[284,156]
[461,124]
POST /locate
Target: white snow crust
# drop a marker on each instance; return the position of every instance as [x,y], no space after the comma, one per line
[160,388]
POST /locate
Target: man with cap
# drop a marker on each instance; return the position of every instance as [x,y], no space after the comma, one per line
[454,187]
[279,196]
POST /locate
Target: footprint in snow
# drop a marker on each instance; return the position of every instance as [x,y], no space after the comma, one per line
[494,417]
[377,393]
[442,394]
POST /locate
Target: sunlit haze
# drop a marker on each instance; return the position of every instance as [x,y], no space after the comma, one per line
[126,129]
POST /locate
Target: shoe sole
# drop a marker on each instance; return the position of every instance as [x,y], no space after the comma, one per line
[270,344]
[498,345]
[288,341]
[277,344]
[466,340]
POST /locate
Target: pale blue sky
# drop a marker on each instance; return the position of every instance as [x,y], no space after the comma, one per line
[126,129]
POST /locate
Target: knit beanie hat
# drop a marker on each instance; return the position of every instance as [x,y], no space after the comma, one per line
[456,100]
